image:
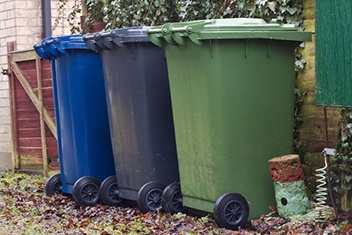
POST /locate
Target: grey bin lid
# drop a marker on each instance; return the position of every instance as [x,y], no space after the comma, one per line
[113,39]
[239,28]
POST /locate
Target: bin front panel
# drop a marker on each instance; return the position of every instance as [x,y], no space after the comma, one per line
[232,104]
[83,128]
[140,116]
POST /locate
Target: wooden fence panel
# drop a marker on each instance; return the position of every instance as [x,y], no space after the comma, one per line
[32,113]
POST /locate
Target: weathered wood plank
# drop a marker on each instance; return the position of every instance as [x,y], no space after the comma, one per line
[36,142]
[24,55]
[23,113]
[12,88]
[28,133]
[41,115]
[28,123]
[34,98]
[36,152]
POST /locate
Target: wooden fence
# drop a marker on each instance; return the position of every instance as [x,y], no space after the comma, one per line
[32,113]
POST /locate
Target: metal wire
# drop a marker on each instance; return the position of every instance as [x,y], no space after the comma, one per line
[321,192]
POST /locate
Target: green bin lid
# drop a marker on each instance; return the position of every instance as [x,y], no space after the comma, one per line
[239,28]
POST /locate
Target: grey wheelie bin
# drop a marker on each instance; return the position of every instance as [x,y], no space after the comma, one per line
[231,83]
[84,144]
[140,116]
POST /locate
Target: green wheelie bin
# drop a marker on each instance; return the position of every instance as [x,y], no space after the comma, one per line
[231,84]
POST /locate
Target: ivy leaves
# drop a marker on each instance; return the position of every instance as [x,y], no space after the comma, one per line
[127,13]
[342,163]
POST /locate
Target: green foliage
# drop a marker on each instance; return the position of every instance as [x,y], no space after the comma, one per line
[300,63]
[95,14]
[60,8]
[288,11]
[72,16]
[95,9]
[297,123]
[125,13]
[341,163]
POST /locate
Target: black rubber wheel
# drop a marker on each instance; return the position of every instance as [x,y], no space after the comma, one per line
[53,185]
[149,197]
[86,191]
[172,200]
[109,192]
[231,211]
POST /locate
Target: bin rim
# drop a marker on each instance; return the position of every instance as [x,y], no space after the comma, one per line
[219,29]
[54,47]
[115,38]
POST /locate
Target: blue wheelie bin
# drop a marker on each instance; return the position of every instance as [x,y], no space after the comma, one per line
[140,117]
[84,143]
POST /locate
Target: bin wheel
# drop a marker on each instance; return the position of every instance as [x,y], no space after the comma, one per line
[172,200]
[149,197]
[109,192]
[86,191]
[231,211]
[53,185]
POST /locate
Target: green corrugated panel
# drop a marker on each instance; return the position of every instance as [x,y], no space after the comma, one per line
[334,53]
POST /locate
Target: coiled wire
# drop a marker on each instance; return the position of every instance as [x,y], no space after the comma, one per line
[321,192]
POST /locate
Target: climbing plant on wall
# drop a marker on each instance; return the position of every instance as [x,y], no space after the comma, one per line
[341,164]
[125,13]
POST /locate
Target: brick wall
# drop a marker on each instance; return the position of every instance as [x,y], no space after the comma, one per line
[313,134]
[21,22]
[7,33]
[60,25]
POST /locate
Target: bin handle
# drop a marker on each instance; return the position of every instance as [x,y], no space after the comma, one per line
[92,45]
[54,44]
[154,36]
[106,34]
[177,34]
[51,49]
[173,35]
[184,29]
[98,40]
[118,41]
[90,42]
[167,34]
[106,38]
[88,37]
[153,31]
[188,31]
[108,43]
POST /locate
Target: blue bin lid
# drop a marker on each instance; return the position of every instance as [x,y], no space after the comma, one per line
[54,47]
[113,39]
